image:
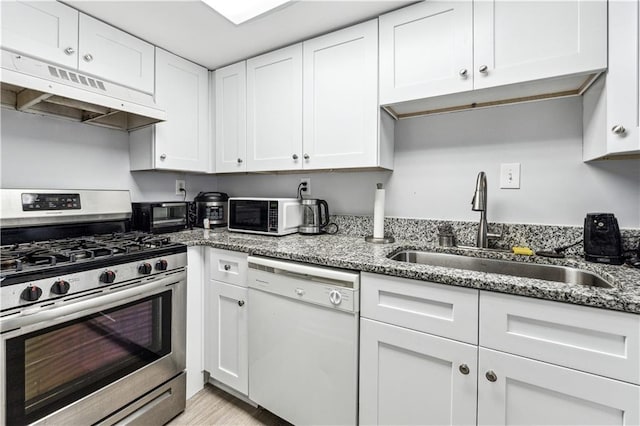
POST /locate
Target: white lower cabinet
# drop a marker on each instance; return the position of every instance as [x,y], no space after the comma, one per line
[195,351]
[514,390]
[225,315]
[413,378]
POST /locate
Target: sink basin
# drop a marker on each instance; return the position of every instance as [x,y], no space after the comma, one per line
[560,274]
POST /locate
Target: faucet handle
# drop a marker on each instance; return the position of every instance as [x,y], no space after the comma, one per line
[494,236]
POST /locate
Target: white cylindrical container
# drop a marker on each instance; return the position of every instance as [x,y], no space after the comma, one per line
[378,213]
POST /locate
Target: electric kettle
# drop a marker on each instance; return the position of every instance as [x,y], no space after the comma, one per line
[315,216]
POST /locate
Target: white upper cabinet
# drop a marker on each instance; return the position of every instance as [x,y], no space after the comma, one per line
[274,110]
[231,118]
[115,55]
[457,48]
[182,142]
[341,114]
[611,112]
[43,29]
[426,50]
[529,40]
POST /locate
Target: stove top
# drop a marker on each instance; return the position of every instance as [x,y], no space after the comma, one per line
[35,260]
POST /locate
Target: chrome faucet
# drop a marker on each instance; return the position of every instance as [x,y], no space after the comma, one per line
[479,204]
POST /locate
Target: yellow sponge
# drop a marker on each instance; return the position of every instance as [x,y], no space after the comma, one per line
[522,250]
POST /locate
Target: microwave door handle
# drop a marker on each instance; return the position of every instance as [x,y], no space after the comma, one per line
[87,307]
[172,205]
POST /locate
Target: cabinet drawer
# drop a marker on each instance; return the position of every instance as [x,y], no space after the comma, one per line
[228,266]
[587,339]
[438,309]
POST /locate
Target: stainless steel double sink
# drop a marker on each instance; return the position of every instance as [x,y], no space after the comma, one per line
[562,274]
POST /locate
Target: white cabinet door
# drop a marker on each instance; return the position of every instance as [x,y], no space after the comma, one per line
[226,356]
[231,118]
[43,29]
[114,55]
[274,110]
[182,142]
[528,40]
[536,393]
[340,103]
[413,378]
[426,50]
[610,108]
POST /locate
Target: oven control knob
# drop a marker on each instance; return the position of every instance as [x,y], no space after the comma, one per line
[31,293]
[161,265]
[145,268]
[335,297]
[60,287]
[107,277]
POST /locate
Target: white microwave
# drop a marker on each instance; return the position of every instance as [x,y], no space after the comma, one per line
[267,216]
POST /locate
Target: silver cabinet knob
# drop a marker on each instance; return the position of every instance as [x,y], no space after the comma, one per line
[463,73]
[163,157]
[239,160]
[306,156]
[299,292]
[491,376]
[227,267]
[464,369]
[483,69]
[69,51]
[295,156]
[241,303]
[88,57]
[618,129]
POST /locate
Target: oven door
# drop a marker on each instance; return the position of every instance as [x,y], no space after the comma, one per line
[79,362]
[249,215]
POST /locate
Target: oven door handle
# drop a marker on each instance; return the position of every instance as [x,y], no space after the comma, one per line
[89,306]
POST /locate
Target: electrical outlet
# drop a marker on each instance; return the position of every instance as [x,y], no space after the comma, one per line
[510,175]
[308,181]
[180,184]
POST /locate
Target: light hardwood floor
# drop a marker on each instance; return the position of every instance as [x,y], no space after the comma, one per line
[212,406]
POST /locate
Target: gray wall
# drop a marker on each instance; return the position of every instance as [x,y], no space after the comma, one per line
[437,159]
[46,152]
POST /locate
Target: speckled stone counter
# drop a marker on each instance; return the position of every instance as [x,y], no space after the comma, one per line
[351,252]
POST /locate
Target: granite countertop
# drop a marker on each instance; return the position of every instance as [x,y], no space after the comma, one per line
[354,253]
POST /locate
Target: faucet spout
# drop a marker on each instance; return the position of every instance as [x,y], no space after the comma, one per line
[479,203]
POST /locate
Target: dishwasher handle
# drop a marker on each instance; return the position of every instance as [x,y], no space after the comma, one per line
[340,277]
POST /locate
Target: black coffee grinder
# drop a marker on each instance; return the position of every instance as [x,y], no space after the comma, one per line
[602,241]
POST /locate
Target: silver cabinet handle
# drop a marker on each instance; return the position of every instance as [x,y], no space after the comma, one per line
[306,156]
[464,369]
[227,267]
[163,157]
[463,73]
[618,129]
[295,156]
[491,376]
[483,69]
[88,57]
[239,160]
[69,51]
[240,303]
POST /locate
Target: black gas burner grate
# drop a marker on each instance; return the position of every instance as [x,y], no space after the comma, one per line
[17,257]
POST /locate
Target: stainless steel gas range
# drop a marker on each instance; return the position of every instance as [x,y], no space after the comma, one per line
[92,316]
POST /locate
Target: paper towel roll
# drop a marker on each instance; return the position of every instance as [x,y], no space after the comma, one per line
[378,213]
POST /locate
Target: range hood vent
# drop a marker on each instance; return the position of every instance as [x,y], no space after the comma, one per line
[31,85]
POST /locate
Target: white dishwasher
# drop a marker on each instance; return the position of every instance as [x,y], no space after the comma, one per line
[303,341]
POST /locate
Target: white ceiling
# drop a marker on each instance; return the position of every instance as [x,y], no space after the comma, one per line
[191,29]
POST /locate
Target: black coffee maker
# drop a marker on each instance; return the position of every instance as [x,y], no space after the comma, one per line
[602,241]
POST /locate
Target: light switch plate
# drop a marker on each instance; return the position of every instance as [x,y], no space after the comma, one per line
[510,175]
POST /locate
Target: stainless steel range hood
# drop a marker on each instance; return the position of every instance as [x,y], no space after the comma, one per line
[32,85]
